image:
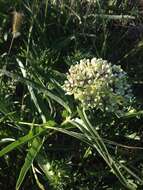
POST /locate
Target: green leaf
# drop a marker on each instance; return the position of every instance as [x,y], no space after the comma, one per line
[31,91]
[5,140]
[32,152]
[4,108]
[16,144]
[101,148]
[94,141]
[40,88]
[134,114]
[27,137]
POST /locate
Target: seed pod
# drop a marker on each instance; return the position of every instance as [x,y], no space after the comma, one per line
[16,24]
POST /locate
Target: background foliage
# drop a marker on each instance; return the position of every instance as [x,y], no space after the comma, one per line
[35,114]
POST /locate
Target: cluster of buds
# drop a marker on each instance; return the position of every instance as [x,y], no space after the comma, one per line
[99,84]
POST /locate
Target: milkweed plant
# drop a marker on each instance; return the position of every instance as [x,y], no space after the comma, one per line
[98,84]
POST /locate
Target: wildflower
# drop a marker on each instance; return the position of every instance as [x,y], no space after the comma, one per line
[98,84]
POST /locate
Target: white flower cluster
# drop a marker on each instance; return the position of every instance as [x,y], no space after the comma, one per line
[98,84]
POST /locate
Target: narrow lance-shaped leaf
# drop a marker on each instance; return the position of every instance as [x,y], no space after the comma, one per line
[32,152]
[39,88]
[16,144]
[115,167]
[21,141]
